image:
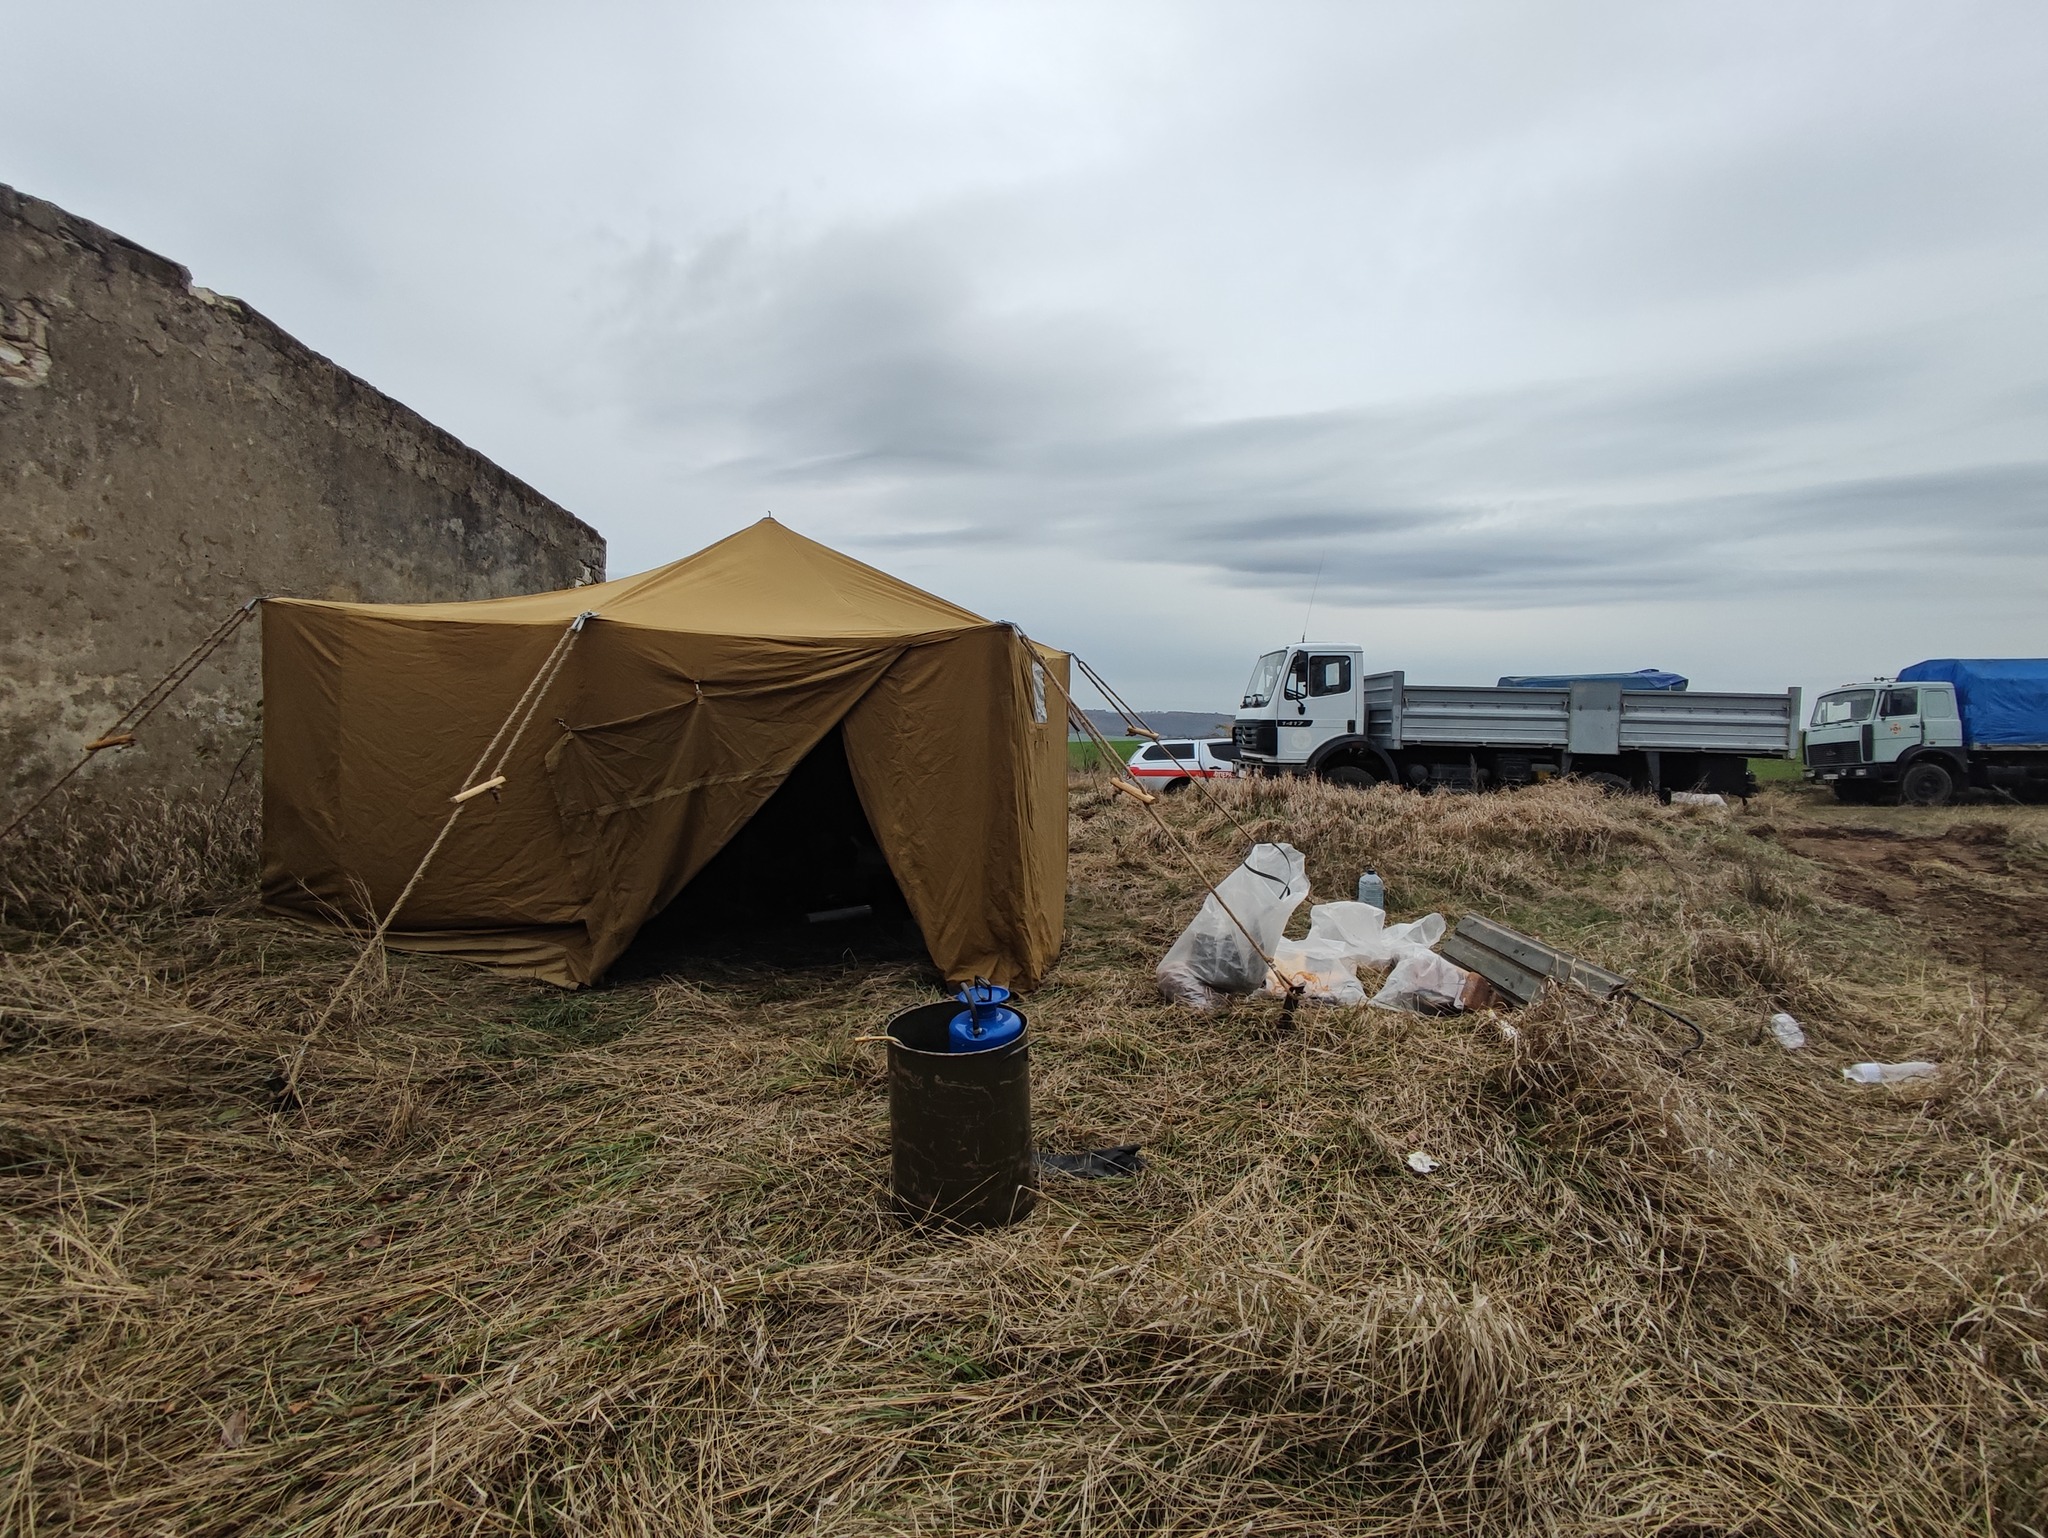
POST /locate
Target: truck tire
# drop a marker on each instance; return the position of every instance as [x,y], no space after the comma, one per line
[1613,784]
[1354,775]
[1174,787]
[1926,783]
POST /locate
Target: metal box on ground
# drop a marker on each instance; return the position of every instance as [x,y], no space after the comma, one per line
[1518,966]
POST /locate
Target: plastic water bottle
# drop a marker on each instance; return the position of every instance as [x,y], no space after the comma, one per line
[986,1022]
[1373,890]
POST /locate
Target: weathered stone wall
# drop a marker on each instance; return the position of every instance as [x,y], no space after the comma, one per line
[165,454]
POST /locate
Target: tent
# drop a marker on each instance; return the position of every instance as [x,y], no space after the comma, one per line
[690,696]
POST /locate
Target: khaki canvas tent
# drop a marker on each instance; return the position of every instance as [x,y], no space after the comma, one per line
[686,700]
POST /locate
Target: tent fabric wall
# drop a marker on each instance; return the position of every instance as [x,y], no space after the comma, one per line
[684,704]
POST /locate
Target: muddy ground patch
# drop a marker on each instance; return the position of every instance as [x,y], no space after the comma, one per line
[1974,888]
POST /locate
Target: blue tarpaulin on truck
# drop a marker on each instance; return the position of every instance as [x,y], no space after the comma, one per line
[1642,678]
[2004,700]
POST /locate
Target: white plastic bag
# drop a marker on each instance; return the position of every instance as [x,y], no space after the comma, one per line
[1787,1031]
[1322,968]
[1422,982]
[1212,957]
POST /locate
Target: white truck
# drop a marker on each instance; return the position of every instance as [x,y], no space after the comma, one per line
[1941,726]
[1314,710]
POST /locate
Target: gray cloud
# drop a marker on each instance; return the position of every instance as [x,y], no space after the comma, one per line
[862,360]
[1471,308]
[860,350]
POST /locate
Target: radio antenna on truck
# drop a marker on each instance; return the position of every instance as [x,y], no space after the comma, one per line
[1314,588]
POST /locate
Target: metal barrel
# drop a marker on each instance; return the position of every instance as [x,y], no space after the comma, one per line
[959,1124]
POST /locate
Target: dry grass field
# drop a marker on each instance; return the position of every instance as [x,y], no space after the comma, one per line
[527,1262]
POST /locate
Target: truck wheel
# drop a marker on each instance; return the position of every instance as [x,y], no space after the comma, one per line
[1613,784]
[1351,775]
[1926,784]
[1174,787]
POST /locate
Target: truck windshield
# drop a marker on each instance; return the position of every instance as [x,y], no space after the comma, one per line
[1843,709]
[1265,674]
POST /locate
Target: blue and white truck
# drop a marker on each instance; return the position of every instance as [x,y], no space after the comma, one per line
[1939,727]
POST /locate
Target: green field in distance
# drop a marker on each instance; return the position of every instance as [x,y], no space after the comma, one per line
[1085,755]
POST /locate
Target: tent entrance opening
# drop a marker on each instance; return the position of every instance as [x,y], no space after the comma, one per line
[808,850]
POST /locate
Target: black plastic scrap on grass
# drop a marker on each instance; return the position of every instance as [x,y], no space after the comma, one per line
[1096,1163]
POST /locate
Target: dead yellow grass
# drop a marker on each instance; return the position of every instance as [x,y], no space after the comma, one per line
[618,1263]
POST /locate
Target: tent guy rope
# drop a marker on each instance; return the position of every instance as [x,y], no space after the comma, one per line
[475,784]
[1138,727]
[1130,787]
[122,733]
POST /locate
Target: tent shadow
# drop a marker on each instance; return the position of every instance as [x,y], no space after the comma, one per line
[783,949]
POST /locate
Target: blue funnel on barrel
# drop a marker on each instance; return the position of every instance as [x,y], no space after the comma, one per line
[986,1022]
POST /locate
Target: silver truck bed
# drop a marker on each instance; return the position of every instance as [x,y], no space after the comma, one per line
[1591,717]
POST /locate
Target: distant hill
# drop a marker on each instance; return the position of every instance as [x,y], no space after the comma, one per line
[1168,723]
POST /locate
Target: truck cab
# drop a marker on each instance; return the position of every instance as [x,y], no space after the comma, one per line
[1874,740]
[1299,701]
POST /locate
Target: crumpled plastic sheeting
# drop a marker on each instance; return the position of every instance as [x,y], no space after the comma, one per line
[1096,1163]
[1423,983]
[1360,928]
[1889,1073]
[1212,960]
[1344,936]
[1365,935]
[1325,970]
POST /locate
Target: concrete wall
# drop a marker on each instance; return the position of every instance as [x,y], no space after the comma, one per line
[166,453]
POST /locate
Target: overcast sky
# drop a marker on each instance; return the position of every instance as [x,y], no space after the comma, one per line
[1553,336]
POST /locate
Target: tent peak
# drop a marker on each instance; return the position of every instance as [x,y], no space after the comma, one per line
[765,580]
